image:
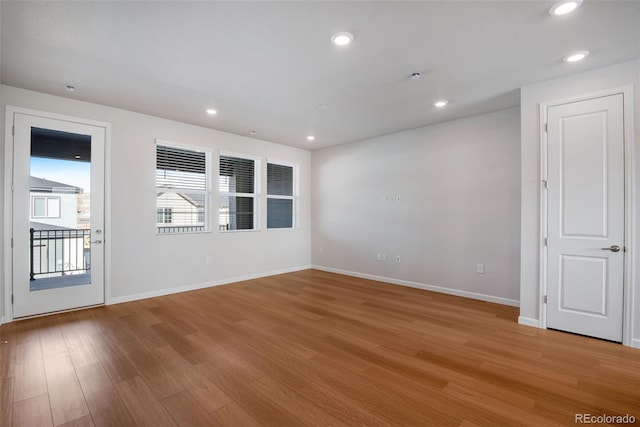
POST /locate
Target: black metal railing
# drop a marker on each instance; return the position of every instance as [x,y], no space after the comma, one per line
[165,229]
[59,252]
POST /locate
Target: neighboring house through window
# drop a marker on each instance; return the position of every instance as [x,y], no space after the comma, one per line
[54,203]
[183,189]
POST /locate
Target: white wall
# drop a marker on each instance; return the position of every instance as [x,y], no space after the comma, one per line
[531,98]
[459,184]
[143,263]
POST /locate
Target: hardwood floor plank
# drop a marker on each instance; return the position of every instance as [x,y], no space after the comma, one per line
[203,391]
[340,406]
[82,355]
[233,415]
[259,407]
[112,358]
[6,401]
[105,405]
[34,411]
[144,407]
[51,339]
[85,421]
[30,379]
[7,350]
[293,402]
[185,411]
[155,373]
[65,395]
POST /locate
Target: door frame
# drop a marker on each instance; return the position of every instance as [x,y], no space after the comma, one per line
[629,273]
[7,262]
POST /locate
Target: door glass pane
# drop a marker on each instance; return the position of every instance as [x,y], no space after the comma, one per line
[60,223]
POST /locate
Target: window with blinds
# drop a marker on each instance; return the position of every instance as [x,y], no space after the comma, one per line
[237,185]
[182,189]
[281,195]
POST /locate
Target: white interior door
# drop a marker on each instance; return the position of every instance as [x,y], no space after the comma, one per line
[585,144]
[58,215]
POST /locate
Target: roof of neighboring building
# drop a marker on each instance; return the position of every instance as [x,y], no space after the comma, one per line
[46,186]
[39,226]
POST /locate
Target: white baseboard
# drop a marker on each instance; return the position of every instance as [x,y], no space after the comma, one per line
[169,291]
[528,321]
[440,289]
[635,343]
[3,320]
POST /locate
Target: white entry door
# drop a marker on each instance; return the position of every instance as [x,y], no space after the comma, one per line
[586,217]
[58,214]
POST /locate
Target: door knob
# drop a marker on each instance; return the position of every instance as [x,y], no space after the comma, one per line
[612,248]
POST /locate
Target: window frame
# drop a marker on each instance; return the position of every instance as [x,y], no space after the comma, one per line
[165,213]
[257,165]
[295,223]
[46,207]
[207,192]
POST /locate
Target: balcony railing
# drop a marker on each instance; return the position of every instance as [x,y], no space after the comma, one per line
[59,252]
[166,229]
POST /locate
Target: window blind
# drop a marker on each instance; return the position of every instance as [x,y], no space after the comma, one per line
[180,168]
[280,196]
[237,175]
[279,180]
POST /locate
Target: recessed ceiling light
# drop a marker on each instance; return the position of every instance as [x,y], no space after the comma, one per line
[342,38]
[577,56]
[70,88]
[415,76]
[211,112]
[311,138]
[440,103]
[564,7]
[253,132]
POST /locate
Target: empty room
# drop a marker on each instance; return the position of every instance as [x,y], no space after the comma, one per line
[288,213]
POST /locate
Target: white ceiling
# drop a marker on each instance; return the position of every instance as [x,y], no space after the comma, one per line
[265,66]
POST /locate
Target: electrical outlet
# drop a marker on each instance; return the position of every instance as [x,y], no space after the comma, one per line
[398,198]
[383,257]
[397,258]
[480,268]
[207,259]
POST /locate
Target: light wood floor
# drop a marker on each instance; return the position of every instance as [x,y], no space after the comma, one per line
[307,348]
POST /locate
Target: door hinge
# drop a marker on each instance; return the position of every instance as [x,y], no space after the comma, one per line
[546,127]
[13,130]
[12,243]
[11,298]
[546,241]
[545,183]
[546,299]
